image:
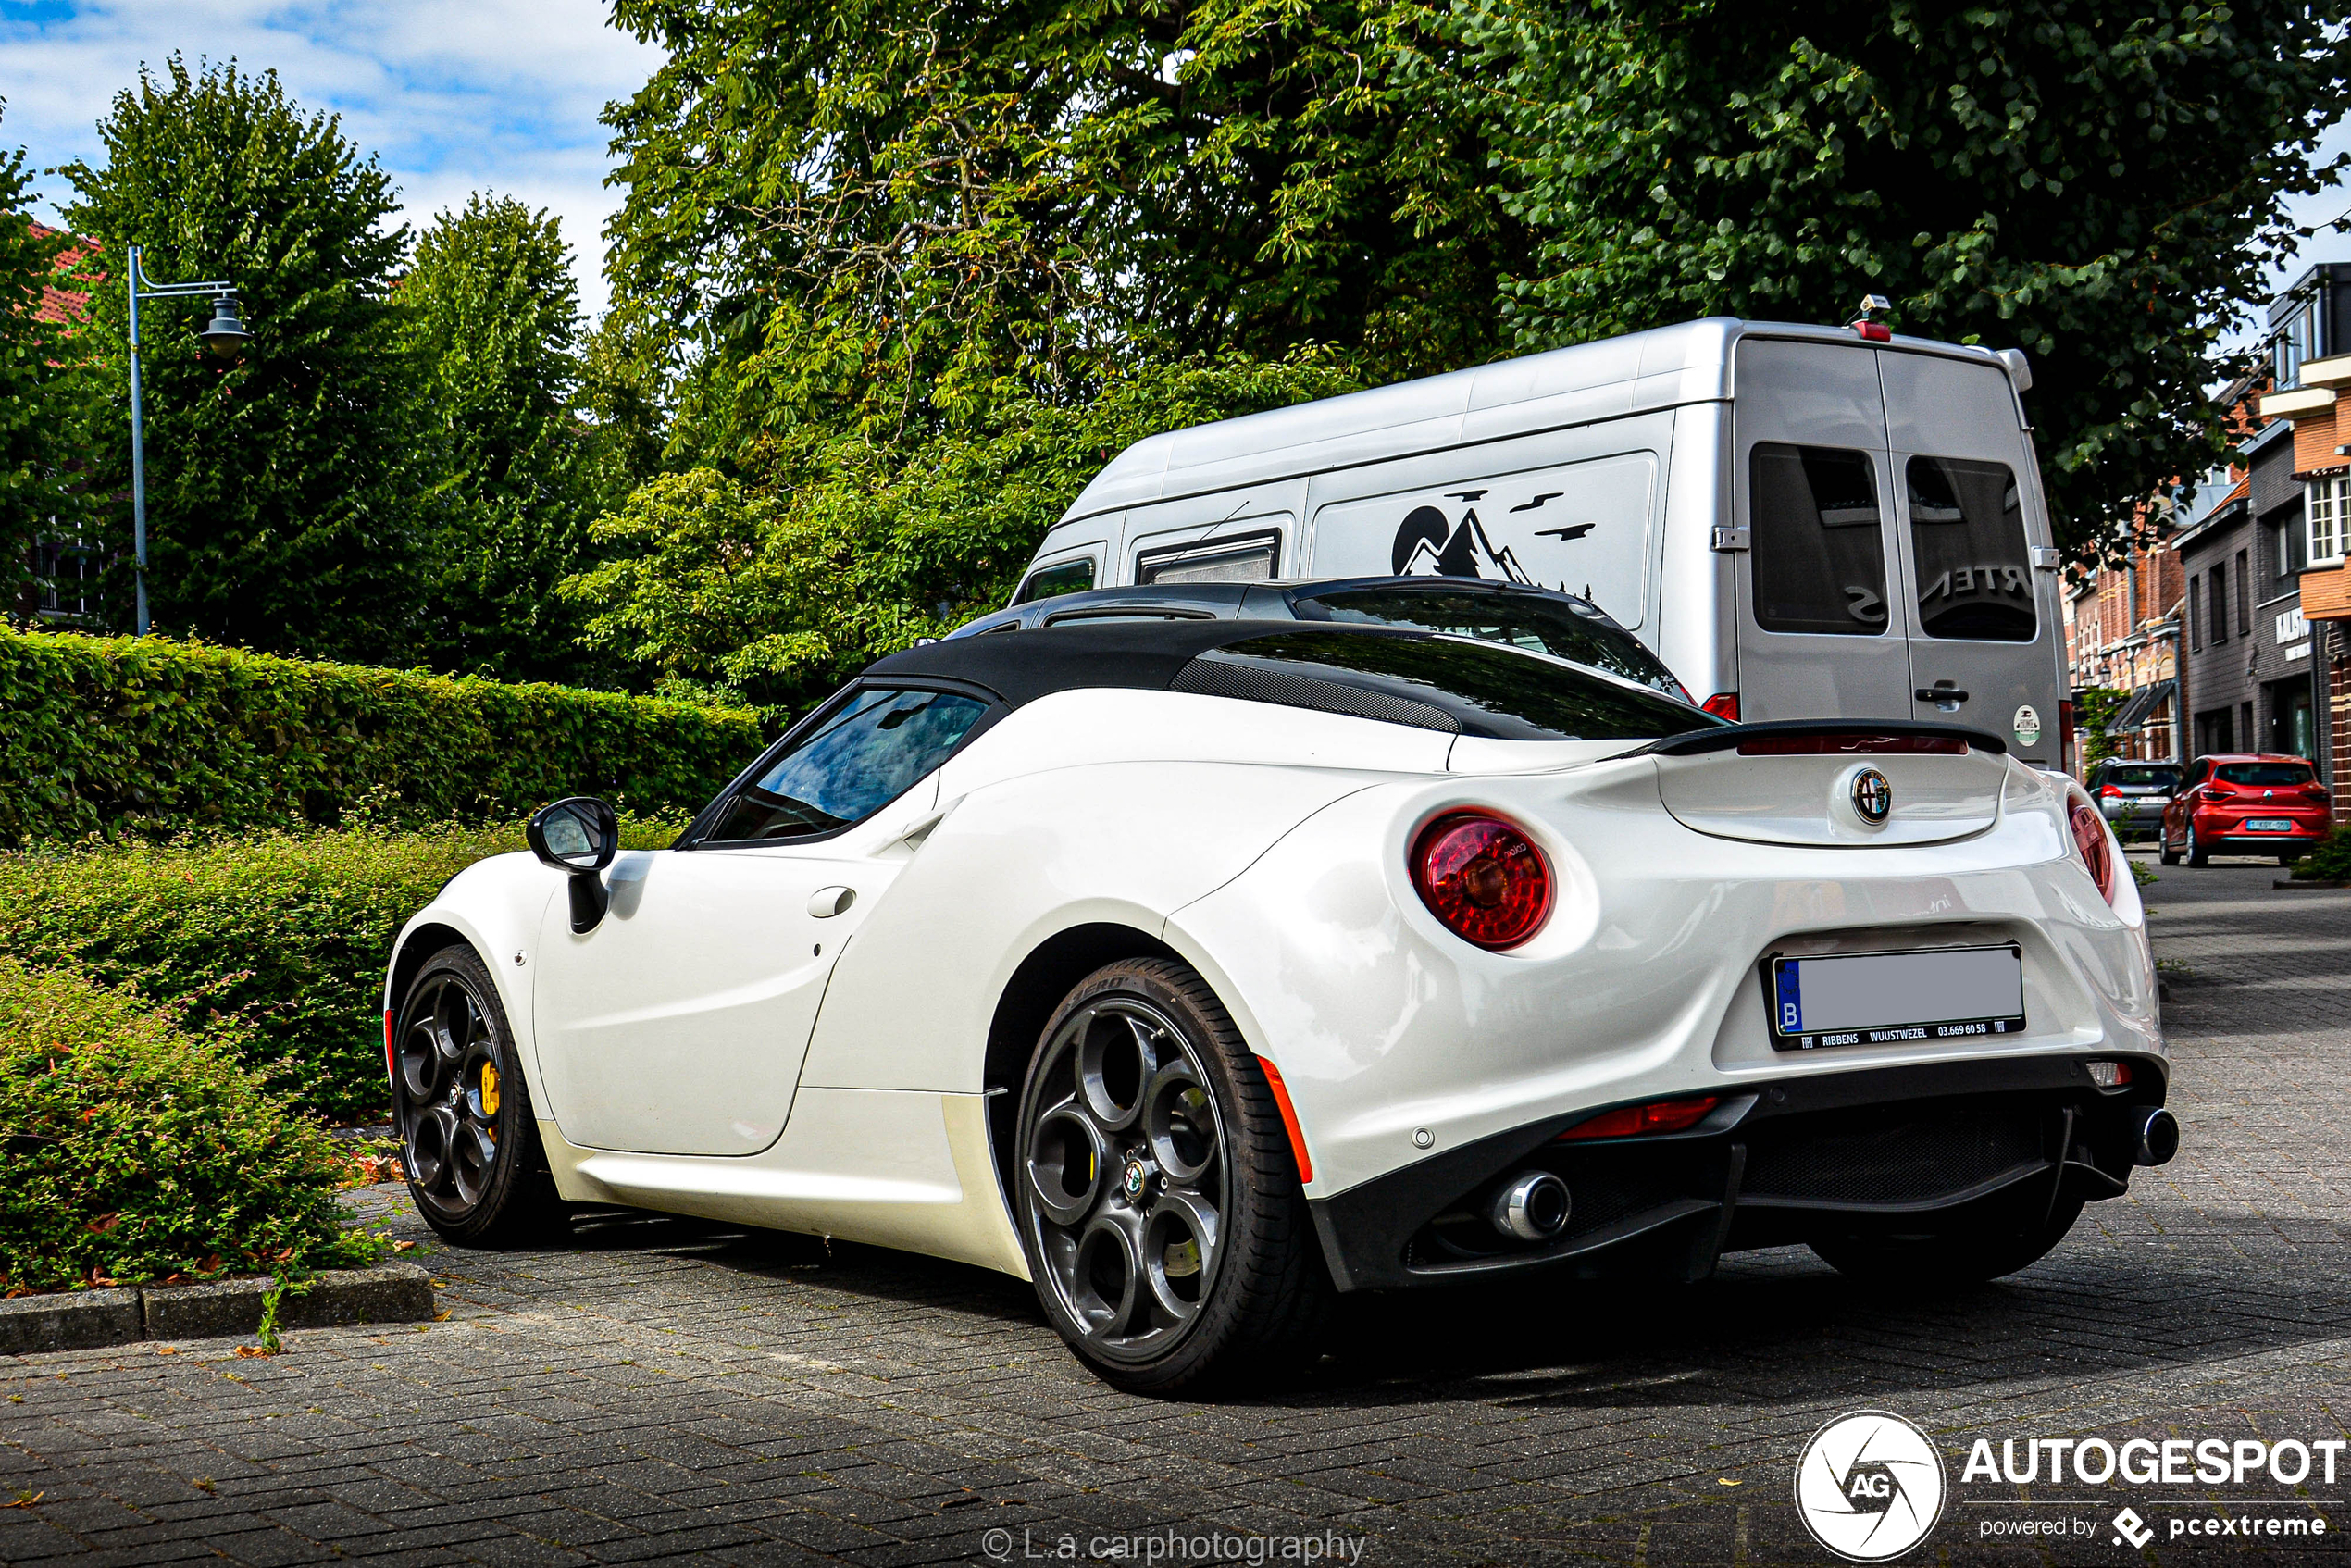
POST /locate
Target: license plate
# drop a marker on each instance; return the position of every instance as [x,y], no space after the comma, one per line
[2268,824]
[1892,998]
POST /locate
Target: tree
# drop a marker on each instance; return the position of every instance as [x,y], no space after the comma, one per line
[772,593]
[492,325]
[2101,184]
[40,497]
[896,212]
[280,488]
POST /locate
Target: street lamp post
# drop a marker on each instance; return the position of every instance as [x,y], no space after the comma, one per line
[225,336]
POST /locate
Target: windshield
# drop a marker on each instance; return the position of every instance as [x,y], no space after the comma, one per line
[1437,683]
[2274,774]
[1565,629]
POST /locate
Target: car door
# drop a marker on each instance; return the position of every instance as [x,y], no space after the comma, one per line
[1820,627]
[679,1024]
[1980,620]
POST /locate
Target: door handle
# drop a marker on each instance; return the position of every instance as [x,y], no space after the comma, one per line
[826,903]
[1941,692]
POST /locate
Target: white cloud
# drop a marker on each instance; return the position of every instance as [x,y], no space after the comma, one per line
[454,96]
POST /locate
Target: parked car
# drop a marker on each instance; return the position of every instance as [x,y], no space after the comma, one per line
[1534,619]
[1197,969]
[1799,521]
[2248,803]
[2133,795]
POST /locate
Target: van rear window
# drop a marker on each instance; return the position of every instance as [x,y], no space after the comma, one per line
[1967,534]
[1818,552]
[1441,683]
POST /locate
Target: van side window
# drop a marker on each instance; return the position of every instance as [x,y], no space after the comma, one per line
[1819,556]
[1248,558]
[1967,534]
[1069,577]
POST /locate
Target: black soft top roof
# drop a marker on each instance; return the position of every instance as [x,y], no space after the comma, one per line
[1021,666]
[1462,686]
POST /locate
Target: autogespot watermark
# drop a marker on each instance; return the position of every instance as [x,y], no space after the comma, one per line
[1173,1546]
[1869,1487]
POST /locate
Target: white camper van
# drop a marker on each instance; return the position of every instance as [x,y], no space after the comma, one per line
[1801,521]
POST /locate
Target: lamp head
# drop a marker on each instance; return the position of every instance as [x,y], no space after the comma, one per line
[225,336]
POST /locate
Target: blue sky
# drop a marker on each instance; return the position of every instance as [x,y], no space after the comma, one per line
[454,95]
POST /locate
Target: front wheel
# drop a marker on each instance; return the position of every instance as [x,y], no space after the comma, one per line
[468,1142]
[1158,1199]
[2170,855]
[1946,1258]
[2198,853]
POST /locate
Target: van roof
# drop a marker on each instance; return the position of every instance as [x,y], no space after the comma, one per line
[1609,378]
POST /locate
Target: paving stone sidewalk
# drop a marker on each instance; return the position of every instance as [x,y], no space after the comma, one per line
[668,1389]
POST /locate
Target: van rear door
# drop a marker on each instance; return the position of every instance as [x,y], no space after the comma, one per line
[1822,625]
[1968,500]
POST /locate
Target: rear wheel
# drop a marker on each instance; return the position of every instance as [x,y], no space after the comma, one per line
[1965,1256]
[2198,853]
[468,1142]
[1157,1197]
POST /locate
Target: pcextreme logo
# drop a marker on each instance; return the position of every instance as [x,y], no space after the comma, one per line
[1869,1486]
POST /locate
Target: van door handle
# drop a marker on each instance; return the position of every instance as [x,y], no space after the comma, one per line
[1941,692]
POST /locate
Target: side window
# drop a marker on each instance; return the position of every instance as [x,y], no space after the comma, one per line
[1819,554]
[1052,582]
[1248,558]
[869,748]
[1967,534]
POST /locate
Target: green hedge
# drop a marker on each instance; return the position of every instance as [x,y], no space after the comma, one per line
[287,933]
[138,1151]
[2330,862]
[100,735]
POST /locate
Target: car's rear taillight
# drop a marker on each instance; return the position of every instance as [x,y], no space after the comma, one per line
[1631,1121]
[2098,853]
[2109,793]
[1724,705]
[2110,1075]
[1483,877]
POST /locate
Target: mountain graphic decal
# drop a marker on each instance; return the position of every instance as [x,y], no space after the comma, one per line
[1429,546]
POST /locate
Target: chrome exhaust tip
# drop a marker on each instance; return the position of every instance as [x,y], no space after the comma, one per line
[2155,1138]
[1534,1207]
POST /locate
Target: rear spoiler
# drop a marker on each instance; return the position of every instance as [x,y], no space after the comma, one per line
[1836,737]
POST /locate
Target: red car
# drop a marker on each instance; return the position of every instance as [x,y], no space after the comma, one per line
[2249,802]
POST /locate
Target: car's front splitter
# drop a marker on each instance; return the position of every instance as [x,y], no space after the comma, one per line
[1928,1146]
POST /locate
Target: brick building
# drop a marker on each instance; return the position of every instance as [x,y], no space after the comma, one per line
[2123,627]
[2289,559]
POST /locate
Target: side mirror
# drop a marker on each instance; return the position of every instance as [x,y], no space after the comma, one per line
[578,836]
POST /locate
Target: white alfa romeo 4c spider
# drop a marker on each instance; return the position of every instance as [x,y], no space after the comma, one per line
[1195,971]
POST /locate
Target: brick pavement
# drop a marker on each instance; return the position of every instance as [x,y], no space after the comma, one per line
[674,1390]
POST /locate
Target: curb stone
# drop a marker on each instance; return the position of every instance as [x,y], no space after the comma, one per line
[2312,887]
[390,1292]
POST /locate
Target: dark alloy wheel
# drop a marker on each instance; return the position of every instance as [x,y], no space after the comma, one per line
[1158,1199]
[2198,853]
[1951,1257]
[468,1142]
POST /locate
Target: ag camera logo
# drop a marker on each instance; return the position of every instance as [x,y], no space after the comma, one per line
[1869,1486]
